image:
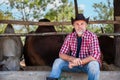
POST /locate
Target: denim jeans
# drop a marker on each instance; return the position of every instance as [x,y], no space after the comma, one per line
[92,69]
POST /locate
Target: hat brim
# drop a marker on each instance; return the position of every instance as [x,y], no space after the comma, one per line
[73,20]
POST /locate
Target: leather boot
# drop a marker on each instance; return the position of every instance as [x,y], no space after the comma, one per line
[50,78]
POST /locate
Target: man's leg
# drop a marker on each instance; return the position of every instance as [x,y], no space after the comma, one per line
[60,65]
[93,70]
[57,68]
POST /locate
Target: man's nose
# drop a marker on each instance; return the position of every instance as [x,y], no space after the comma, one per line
[79,24]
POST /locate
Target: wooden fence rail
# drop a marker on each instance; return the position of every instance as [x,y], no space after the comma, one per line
[53,34]
[54,23]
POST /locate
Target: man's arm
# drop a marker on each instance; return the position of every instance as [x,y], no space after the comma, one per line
[81,62]
[66,57]
[73,61]
[87,60]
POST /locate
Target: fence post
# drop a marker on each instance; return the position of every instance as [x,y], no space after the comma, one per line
[117,43]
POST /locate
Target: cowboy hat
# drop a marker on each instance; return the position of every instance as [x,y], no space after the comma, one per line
[80,17]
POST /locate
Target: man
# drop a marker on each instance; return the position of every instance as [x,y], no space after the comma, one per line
[79,52]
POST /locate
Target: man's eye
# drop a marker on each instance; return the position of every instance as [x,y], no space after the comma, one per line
[77,24]
[82,23]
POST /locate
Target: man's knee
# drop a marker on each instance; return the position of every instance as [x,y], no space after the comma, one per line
[58,62]
[94,67]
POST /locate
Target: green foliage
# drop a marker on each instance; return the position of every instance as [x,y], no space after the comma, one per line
[64,1]
[63,13]
[1,29]
[94,28]
[1,15]
[33,10]
[29,10]
[105,12]
[4,16]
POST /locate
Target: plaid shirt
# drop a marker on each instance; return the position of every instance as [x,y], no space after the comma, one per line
[89,45]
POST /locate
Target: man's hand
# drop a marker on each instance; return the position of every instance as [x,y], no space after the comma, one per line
[75,62]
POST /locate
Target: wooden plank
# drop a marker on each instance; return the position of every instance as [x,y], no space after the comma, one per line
[117,30]
[35,34]
[54,34]
[33,23]
[117,17]
[76,7]
[54,23]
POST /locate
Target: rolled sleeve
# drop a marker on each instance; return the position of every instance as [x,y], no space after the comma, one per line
[94,48]
[65,49]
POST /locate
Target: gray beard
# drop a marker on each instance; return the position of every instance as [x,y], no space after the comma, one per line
[80,33]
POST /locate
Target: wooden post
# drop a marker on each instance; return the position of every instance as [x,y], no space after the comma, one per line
[117,30]
[76,8]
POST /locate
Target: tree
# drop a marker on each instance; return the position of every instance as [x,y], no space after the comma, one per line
[62,13]
[105,12]
[33,10]
[3,17]
[29,10]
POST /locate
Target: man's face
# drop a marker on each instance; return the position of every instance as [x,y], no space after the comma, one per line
[80,26]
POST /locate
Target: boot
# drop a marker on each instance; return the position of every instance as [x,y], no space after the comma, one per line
[50,78]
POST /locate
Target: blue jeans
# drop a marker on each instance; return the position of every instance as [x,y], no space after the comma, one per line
[92,69]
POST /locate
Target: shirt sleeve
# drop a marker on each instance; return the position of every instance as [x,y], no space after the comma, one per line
[94,48]
[65,49]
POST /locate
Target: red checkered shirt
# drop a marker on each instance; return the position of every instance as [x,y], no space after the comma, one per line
[89,45]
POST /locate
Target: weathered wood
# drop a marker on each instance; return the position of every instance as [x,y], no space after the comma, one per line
[34,34]
[41,75]
[53,34]
[117,30]
[76,7]
[104,22]
[117,17]
[54,23]
[33,23]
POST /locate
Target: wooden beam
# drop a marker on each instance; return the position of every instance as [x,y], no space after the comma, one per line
[34,34]
[117,30]
[117,17]
[76,8]
[33,23]
[54,23]
[53,34]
